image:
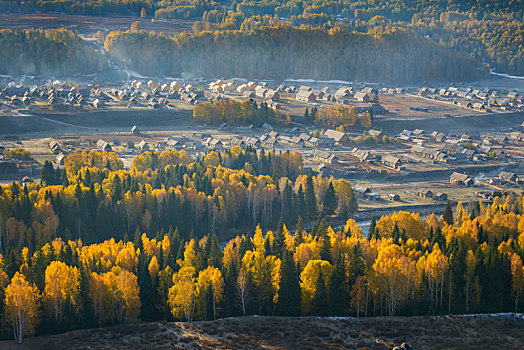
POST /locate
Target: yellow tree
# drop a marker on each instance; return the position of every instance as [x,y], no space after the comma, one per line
[165,281]
[128,296]
[517,272]
[436,267]
[308,280]
[472,282]
[358,295]
[182,295]
[62,285]
[153,269]
[100,298]
[210,283]
[21,306]
[242,287]
[265,274]
[394,272]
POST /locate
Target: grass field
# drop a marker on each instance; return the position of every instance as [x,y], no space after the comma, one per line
[440,332]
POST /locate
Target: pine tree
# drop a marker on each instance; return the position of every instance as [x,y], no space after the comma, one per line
[299,238]
[448,214]
[116,189]
[330,200]
[319,304]
[338,291]
[325,247]
[310,198]
[289,293]
[279,243]
[47,175]
[372,228]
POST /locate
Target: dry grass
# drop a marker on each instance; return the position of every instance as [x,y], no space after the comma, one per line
[296,333]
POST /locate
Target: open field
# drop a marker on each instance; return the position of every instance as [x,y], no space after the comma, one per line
[88,25]
[454,332]
[399,105]
[45,125]
[467,123]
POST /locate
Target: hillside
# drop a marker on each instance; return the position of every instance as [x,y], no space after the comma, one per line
[294,333]
[57,52]
[280,52]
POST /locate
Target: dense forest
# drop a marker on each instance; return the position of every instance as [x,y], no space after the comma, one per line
[51,52]
[286,52]
[94,199]
[491,31]
[53,279]
[395,10]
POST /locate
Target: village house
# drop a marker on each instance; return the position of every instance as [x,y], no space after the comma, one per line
[143,146]
[424,193]
[375,133]
[361,190]
[394,197]
[242,88]
[365,192]
[174,86]
[261,92]
[392,162]
[362,97]
[513,95]
[274,104]
[369,90]
[54,146]
[338,137]
[509,177]
[304,88]
[325,157]
[212,143]
[418,132]
[440,196]
[249,94]
[102,145]
[305,96]
[517,135]
[60,158]
[272,95]
[344,92]
[458,179]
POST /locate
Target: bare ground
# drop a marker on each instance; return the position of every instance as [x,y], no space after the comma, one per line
[44,125]
[441,332]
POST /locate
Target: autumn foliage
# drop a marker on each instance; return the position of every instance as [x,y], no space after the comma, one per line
[405,266]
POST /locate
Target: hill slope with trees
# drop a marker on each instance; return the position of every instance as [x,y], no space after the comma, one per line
[98,245]
[52,52]
[285,52]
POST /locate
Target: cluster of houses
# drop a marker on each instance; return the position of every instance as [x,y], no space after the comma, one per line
[477,99]
[452,148]
[56,95]
[344,95]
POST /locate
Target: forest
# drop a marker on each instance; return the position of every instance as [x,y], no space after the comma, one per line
[235,113]
[490,31]
[54,278]
[94,199]
[282,52]
[51,52]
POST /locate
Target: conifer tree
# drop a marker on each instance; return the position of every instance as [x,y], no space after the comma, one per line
[448,214]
